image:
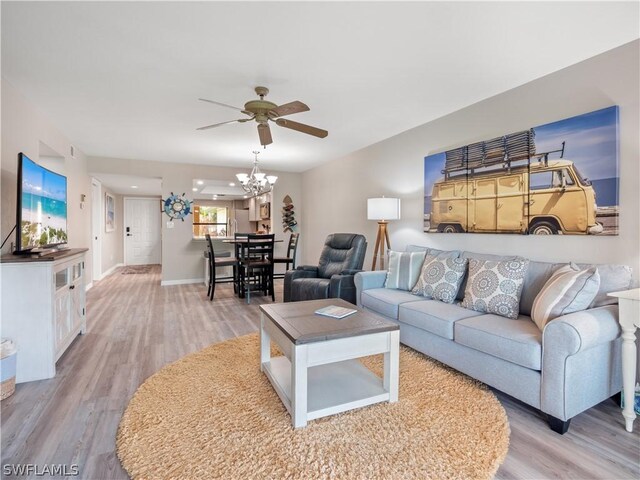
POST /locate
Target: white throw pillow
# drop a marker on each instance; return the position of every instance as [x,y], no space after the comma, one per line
[570,289]
[495,287]
[404,268]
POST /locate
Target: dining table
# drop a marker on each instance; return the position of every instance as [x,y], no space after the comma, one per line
[243,241]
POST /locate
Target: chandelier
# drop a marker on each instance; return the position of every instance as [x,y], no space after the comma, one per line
[256,183]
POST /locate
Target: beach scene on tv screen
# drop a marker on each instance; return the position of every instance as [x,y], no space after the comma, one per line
[44,206]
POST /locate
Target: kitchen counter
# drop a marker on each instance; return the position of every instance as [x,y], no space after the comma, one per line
[202,239]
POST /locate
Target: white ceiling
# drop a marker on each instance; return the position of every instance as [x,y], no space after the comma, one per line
[223,189]
[130,184]
[122,79]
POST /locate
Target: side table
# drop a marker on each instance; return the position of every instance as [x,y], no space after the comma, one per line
[629,303]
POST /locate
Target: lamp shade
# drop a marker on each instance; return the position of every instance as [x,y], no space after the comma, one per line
[383,208]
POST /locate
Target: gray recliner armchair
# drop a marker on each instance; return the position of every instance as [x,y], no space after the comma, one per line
[341,258]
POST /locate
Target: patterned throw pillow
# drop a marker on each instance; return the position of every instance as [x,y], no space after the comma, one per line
[495,287]
[440,278]
[569,289]
[404,268]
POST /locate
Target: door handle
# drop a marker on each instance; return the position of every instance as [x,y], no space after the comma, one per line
[129,234]
[71,287]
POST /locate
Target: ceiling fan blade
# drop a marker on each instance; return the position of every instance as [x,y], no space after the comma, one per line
[224,105]
[301,127]
[223,123]
[290,108]
[264,132]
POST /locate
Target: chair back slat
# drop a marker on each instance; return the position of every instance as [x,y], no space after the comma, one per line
[212,255]
[293,247]
[257,247]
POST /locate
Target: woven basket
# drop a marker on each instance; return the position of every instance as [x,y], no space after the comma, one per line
[7,388]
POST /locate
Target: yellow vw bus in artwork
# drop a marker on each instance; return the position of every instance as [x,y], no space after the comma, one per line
[543,198]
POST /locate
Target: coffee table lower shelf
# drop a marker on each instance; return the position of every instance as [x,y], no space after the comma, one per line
[331,388]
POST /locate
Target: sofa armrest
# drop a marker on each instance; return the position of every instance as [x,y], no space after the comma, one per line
[308,268]
[366,280]
[304,271]
[343,286]
[350,271]
[579,331]
[580,361]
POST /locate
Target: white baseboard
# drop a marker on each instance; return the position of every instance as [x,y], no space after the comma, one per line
[166,283]
[88,287]
[111,270]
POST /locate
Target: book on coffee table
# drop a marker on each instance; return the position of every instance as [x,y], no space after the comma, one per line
[334,311]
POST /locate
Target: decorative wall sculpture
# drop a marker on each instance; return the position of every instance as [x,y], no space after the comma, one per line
[177,206]
[561,177]
[288,215]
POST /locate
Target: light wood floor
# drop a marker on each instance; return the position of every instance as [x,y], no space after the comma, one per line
[135,327]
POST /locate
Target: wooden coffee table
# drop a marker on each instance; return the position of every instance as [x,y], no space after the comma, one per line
[319,373]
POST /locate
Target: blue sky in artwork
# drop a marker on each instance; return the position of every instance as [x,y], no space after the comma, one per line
[40,181]
[433,166]
[591,142]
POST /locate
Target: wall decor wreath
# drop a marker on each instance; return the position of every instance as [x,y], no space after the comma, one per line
[177,206]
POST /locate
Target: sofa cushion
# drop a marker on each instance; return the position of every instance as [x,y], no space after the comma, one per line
[613,278]
[480,256]
[538,274]
[416,248]
[434,316]
[570,289]
[518,341]
[404,269]
[440,278]
[495,287]
[386,301]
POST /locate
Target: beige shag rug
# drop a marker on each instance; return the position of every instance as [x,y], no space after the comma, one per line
[213,414]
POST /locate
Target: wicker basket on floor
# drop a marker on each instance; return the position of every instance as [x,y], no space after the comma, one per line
[7,388]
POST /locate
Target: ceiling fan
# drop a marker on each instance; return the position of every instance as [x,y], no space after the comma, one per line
[263,111]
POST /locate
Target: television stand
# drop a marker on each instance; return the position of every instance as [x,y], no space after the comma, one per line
[43,308]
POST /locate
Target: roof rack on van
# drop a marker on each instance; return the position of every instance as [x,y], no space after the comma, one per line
[544,157]
[497,151]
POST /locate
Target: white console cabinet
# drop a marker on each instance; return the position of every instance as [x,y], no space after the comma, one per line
[43,308]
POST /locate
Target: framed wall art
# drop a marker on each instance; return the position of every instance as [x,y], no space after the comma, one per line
[110,212]
[557,178]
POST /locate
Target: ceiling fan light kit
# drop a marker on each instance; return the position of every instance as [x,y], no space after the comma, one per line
[264,111]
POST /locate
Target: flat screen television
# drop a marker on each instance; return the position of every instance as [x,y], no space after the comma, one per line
[41,207]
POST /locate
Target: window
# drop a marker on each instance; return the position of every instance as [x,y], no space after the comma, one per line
[549,179]
[211,220]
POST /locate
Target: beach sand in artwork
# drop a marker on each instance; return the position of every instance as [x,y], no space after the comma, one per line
[47,220]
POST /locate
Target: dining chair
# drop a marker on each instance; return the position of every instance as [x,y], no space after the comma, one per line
[237,236]
[256,265]
[290,259]
[219,262]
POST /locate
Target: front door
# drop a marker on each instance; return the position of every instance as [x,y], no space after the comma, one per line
[484,194]
[511,203]
[142,241]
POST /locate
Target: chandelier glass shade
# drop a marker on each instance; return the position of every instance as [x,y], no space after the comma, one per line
[256,183]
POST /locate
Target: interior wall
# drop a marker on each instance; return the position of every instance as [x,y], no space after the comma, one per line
[181,255]
[335,194]
[112,242]
[25,129]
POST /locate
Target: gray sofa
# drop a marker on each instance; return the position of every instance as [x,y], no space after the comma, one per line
[569,367]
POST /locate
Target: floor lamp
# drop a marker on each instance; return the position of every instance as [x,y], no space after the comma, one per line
[382,210]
